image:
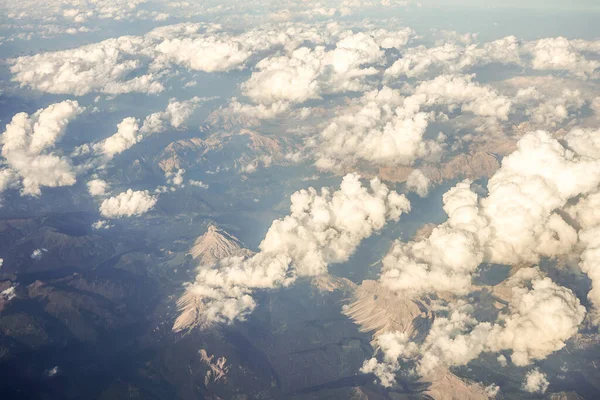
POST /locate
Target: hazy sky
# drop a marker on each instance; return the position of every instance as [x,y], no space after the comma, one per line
[531,4]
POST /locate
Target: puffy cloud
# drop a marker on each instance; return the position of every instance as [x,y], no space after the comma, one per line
[307,73]
[199,184]
[385,372]
[378,130]
[101,224]
[447,342]
[452,57]
[589,265]
[534,181]
[586,212]
[540,317]
[97,187]
[394,346]
[175,177]
[585,142]
[540,320]
[8,179]
[445,260]
[208,54]
[127,204]
[502,360]
[321,229]
[553,111]
[137,63]
[209,48]
[519,221]
[102,67]
[176,115]
[516,222]
[548,54]
[306,69]
[127,135]
[96,156]
[251,114]
[286,78]
[418,182]
[28,144]
[460,91]
[385,128]
[559,54]
[535,382]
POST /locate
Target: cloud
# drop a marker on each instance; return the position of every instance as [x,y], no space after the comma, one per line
[384,128]
[502,360]
[8,179]
[548,54]
[8,294]
[305,73]
[418,182]
[585,142]
[586,212]
[516,222]
[176,115]
[101,224]
[385,372]
[540,317]
[558,54]
[37,254]
[97,187]
[309,60]
[553,111]
[537,179]
[72,10]
[199,184]
[322,228]
[250,114]
[127,204]
[535,382]
[28,149]
[175,177]
[102,67]
[209,54]
[453,91]
[137,63]
[127,135]
[378,130]
[522,219]
[539,321]
[443,261]
[451,57]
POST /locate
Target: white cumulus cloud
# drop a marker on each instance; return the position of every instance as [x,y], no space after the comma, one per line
[97,187]
[127,135]
[535,382]
[28,149]
[322,228]
[127,204]
[418,183]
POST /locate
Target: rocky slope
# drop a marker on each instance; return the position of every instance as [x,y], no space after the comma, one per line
[216,244]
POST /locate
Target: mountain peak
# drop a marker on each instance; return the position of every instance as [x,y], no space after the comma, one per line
[215,245]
